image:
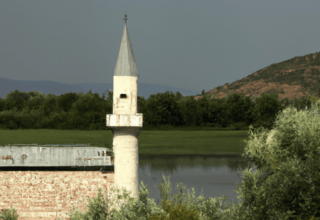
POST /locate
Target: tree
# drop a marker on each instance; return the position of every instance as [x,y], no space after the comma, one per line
[203,93]
[35,100]
[189,111]
[202,113]
[88,110]
[141,108]
[266,110]
[2,104]
[239,109]
[109,103]
[50,105]
[179,96]
[33,94]
[163,109]
[287,156]
[16,99]
[216,112]
[284,103]
[65,101]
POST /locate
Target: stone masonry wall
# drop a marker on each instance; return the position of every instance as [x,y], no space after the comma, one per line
[50,195]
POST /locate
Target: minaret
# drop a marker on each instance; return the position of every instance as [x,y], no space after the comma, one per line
[125,122]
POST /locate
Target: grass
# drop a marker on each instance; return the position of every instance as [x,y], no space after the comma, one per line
[174,142]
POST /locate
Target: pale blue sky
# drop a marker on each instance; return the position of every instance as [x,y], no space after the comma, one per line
[188,44]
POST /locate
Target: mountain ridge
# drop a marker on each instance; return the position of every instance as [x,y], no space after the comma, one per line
[289,79]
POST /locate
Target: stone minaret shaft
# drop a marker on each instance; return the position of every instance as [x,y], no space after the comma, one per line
[125,122]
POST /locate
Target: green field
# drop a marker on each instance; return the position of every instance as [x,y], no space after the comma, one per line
[194,142]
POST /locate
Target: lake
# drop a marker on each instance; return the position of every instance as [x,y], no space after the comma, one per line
[216,175]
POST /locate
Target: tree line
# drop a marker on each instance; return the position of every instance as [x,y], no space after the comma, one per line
[34,110]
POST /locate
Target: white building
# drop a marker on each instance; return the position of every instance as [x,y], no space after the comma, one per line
[125,122]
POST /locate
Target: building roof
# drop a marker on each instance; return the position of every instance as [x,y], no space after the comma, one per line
[126,64]
[26,155]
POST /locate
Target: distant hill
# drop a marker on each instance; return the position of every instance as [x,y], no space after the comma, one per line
[289,79]
[58,88]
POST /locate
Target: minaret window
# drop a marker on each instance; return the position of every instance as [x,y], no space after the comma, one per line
[123,96]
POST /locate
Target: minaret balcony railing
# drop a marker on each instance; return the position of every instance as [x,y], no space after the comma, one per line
[124,120]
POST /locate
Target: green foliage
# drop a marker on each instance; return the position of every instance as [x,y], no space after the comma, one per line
[2,104]
[239,109]
[57,119]
[216,109]
[16,99]
[145,208]
[25,119]
[314,99]
[88,103]
[49,105]
[9,214]
[162,109]
[141,104]
[152,115]
[289,156]
[96,209]
[177,212]
[202,111]
[266,109]
[178,96]
[189,111]
[65,101]
[88,111]
[35,100]
[109,102]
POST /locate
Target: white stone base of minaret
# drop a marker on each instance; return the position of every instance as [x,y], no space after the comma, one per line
[126,161]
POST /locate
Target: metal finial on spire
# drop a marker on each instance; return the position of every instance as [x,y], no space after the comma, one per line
[125,18]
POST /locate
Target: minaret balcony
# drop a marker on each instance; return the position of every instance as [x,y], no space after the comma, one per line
[124,120]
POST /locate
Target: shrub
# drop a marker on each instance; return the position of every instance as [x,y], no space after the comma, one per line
[9,214]
[178,212]
[289,154]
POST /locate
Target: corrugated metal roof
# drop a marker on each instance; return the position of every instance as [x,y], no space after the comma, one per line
[54,155]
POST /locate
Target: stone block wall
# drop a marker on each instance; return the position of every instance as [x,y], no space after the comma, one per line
[50,195]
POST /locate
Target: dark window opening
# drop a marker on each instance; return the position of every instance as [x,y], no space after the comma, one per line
[123,96]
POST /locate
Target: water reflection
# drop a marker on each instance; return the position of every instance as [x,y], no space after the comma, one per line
[217,175]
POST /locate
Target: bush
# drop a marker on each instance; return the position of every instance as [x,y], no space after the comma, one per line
[9,214]
[145,208]
[26,119]
[178,212]
[7,119]
[289,156]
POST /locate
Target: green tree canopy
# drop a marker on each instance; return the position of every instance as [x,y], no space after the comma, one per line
[287,182]
[65,101]
[16,100]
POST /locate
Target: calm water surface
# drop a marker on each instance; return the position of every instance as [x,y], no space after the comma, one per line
[215,175]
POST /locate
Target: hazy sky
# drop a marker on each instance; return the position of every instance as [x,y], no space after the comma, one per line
[188,44]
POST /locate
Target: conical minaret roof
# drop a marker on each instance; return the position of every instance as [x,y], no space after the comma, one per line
[126,64]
